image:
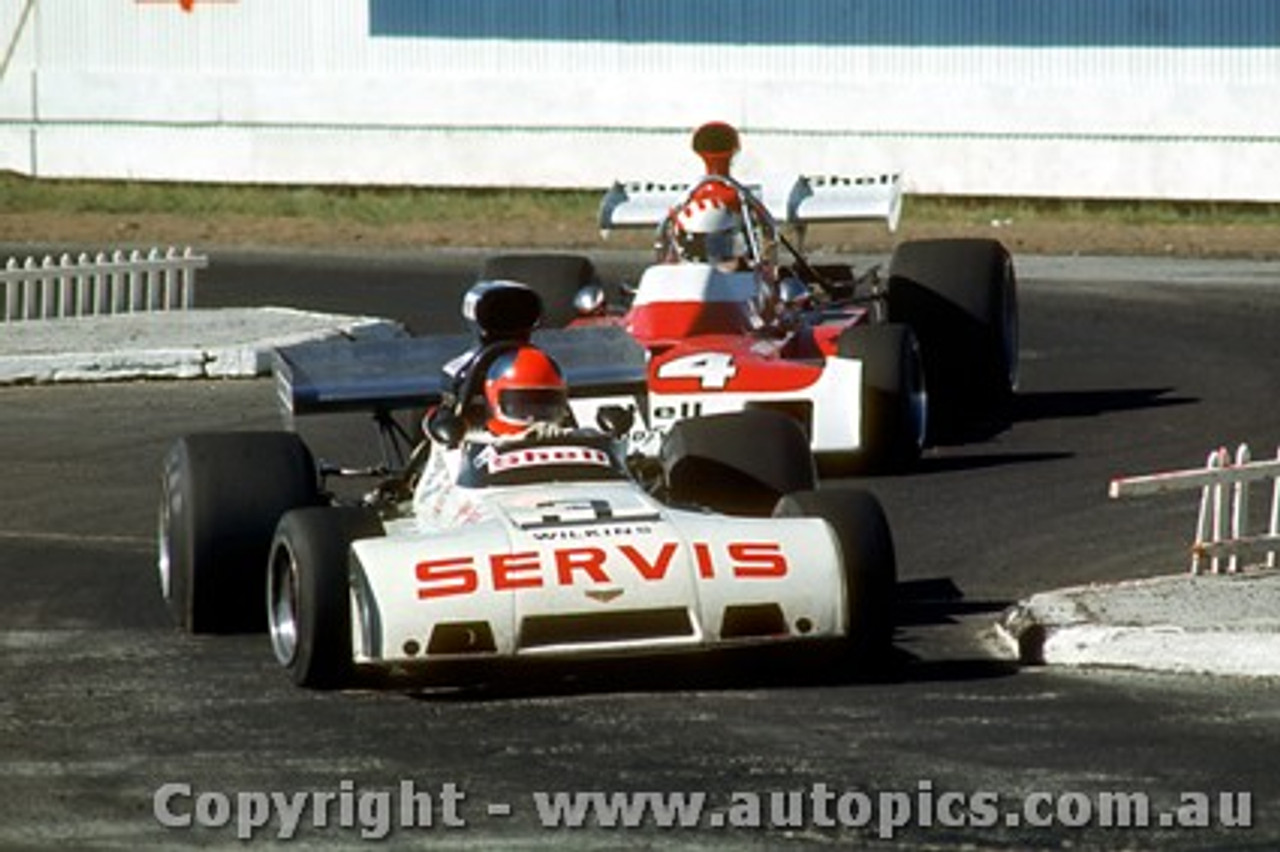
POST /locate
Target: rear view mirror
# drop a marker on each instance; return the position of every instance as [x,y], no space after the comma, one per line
[615,420]
[501,310]
[445,427]
[589,301]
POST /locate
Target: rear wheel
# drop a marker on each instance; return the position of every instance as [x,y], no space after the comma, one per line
[308,592]
[867,557]
[557,278]
[960,298]
[737,463]
[221,496]
[894,410]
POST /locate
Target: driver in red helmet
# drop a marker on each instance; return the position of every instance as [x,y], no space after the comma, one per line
[524,389]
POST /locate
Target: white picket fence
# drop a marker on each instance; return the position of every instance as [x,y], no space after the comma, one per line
[89,285]
[1222,526]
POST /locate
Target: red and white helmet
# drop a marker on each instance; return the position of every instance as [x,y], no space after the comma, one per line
[708,228]
[523,387]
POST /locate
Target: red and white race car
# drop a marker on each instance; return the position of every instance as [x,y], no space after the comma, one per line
[871,367]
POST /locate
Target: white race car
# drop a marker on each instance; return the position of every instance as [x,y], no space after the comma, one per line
[549,543]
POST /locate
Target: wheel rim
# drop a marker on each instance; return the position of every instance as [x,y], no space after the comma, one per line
[282,605]
[918,396]
[164,561]
[1009,324]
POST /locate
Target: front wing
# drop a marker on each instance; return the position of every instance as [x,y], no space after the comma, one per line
[697,582]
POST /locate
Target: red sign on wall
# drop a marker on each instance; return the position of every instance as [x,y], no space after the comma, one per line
[185,5]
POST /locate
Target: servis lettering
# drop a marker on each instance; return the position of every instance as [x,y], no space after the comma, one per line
[570,566]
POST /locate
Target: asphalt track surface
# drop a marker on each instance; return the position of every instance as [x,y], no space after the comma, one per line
[1128,367]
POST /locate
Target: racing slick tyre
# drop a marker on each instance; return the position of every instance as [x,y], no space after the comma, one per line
[960,298]
[557,278]
[868,560]
[221,496]
[309,592]
[894,408]
[737,463]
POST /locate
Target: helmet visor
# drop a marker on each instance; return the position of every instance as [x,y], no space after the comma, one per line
[534,405]
[725,245]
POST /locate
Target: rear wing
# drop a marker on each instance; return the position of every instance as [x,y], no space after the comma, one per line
[408,372]
[801,201]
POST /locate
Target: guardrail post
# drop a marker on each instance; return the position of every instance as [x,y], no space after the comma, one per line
[48,286]
[12,295]
[1208,526]
[131,287]
[187,278]
[104,302]
[1273,528]
[82,286]
[1239,509]
[156,282]
[30,290]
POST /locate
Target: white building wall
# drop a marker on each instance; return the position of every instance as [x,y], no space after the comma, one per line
[576,93]
[17,92]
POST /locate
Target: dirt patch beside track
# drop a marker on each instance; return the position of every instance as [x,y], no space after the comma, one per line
[1040,236]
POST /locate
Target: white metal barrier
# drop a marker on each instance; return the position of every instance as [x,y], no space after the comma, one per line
[100,284]
[1221,529]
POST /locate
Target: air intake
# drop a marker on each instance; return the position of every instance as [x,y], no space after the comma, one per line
[594,628]
[750,620]
[461,637]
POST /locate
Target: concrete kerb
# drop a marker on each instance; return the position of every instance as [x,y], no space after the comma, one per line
[207,343]
[1220,624]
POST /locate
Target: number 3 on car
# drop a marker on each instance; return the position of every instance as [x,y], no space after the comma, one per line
[713,370]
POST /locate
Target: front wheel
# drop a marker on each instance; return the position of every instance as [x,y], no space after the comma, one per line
[308,592]
[867,558]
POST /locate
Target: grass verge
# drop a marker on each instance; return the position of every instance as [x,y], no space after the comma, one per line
[131,212]
[379,205]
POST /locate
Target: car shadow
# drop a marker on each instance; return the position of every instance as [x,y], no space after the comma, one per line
[1031,406]
[1059,405]
[977,461]
[938,601]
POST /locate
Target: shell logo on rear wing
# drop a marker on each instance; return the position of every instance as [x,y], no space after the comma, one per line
[799,201]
